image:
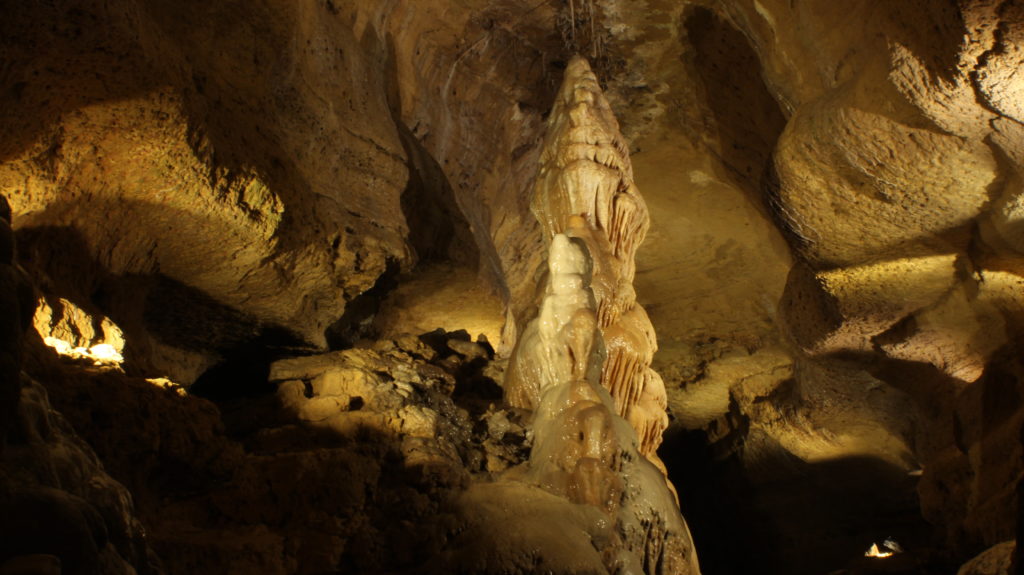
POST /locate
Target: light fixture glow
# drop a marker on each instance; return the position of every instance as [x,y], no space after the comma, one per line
[874,551]
[889,548]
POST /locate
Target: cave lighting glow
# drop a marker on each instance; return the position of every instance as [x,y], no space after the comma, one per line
[889,548]
[167,384]
[874,551]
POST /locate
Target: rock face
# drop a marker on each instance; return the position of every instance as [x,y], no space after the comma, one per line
[59,501]
[892,178]
[393,458]
[995,560]
[126,159]
[62,512]
[307,479]
[234,209]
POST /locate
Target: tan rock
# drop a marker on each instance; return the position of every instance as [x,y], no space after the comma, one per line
[958,336]
[322,408]
[995,560]
[842,309]
[585,190]
[348,382]
[857,186]
[441,296]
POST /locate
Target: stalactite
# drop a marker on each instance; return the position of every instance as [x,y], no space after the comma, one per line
[586,180]
[629,224]
[648,415]
[583,363]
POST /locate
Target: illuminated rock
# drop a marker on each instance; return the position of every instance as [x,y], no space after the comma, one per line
[583,364]
[996,560]
[585,189]
[583,450]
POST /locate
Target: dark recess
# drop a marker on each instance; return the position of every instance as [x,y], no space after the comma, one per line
[357,321]
[747,117]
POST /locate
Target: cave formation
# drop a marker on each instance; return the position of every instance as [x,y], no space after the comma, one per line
[341,286]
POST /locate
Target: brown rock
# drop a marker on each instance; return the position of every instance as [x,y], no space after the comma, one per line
[993,561]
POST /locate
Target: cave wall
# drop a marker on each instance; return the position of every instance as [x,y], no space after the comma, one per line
[893,182]
[255,155]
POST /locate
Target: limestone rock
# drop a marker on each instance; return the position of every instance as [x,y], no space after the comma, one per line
[958,336]
[264,217]
[856,186]
[60,501]
[585,190]
[995,560]
[842,309]
[211,178]
[441,296]
[1003,226]
[971,424]
[583,450]
[506,517]
[310,474]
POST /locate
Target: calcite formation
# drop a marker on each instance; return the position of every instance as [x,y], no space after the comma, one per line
[585,189]
[576,450]
[583,363]
[583,450]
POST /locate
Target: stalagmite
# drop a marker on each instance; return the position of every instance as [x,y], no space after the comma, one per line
[583,449]
[585,189]
[583,363]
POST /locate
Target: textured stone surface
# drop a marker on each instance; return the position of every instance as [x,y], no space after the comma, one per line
[583,450]
[305,481]
[856,186]
[279,221]
[442,297]
[993,561]
[59,500]
[843,309]
[310,479]
[585,189]
[896,181]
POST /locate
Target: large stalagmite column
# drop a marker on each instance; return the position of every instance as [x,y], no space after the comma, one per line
[586,178]
[583,363]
